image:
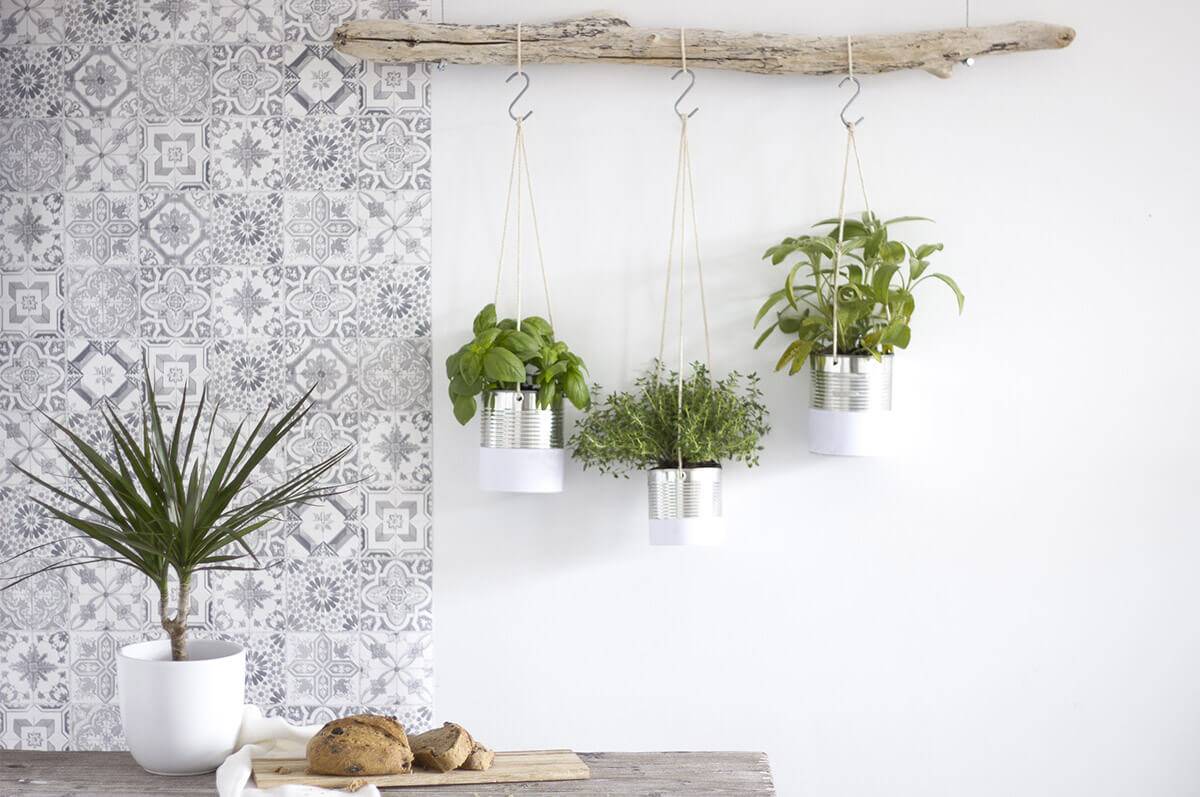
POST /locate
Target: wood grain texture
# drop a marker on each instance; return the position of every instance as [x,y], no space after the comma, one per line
[617,774]
[605,37]
[513,767]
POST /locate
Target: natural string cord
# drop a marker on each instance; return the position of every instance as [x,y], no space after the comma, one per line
[520,188]
[683,194]
[851,148]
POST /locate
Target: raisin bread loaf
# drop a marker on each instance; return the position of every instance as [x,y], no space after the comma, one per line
[364,744]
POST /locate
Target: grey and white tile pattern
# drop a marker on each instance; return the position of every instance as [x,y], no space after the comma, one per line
[211,184]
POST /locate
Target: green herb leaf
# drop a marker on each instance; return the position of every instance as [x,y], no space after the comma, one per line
[521,344]
[958,294]
[538,326]
[902,219]
[501,365]
[452,364]
[772,300]
[896,334]
[766,333]
[576,389]
[789,353]
[464,409]
[485,319]
[470,366]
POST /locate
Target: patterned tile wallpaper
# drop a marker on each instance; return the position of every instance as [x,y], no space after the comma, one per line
[209,182]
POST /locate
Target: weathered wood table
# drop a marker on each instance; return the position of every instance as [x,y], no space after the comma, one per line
[612,774]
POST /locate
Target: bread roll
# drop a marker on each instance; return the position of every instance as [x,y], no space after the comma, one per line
[364,744]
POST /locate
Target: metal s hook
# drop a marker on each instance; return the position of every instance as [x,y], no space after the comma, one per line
[517,98]
[849,102]
[857,86]
[520,71]
[691,84]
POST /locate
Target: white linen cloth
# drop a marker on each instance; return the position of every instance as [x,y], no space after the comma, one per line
[270,737]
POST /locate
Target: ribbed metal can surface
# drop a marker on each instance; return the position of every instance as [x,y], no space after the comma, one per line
[686,493]
[851,383]
[512,419]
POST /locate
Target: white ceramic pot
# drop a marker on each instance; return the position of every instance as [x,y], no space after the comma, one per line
[181,717]
[850,406]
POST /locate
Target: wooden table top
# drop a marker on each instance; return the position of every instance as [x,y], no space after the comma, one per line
[690,773]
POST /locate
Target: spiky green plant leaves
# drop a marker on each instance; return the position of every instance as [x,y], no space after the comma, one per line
[167,501]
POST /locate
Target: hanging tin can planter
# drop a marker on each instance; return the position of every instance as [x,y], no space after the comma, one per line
[685,506]
[520,444]
[520,441]
[850,405]
[680,450]
[857,296]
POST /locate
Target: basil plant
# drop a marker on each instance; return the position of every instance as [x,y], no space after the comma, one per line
[876,280]
[502,355]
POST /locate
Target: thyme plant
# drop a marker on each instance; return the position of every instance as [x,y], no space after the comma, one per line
[876,279]
[167,501]
[722,420]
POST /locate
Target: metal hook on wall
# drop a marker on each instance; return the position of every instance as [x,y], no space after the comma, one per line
[683,70]
[517,98]
[520,71]
[691,83]
[849,102]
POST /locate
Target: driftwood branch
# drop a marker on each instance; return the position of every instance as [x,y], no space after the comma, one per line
[608,38]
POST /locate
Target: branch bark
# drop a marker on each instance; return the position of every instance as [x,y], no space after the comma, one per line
[176,627]
[605,37]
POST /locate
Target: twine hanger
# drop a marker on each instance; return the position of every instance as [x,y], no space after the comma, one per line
[684,194]
[851,147]
[521,189]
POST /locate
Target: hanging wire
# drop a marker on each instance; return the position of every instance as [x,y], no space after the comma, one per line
[851,149]
[520,186]
[968,61]
[683,194]
[441,64]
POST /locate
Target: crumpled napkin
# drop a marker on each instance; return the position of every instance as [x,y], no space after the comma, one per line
[270,737]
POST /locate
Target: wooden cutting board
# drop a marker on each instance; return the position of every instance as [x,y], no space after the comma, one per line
[513,767]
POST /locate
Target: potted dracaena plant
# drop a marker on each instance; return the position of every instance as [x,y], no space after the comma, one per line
[172,504]
[520,375]
[679,433]
[850,352]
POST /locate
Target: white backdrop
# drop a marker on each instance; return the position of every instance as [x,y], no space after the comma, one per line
[1008,607]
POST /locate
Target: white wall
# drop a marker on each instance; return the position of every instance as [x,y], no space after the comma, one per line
[1009,606]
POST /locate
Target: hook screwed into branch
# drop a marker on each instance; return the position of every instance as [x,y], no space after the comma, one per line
[850,78]
[520,71]
[683,70]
